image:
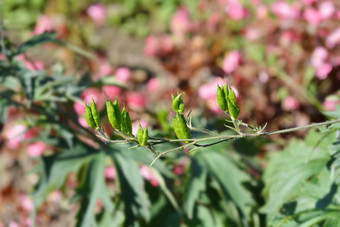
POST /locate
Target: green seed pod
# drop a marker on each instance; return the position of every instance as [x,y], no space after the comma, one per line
[95,113]
[89,117]
[144,141]
[113,113]
[180,127]
[221,98]
[177,103]
[140,134]
[125,125]
[234,110]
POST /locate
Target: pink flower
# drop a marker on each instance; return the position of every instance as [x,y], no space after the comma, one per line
[181,22]
[263,77]
[96,95]
[333,39]
[261,12]
[44,24]
[319,56]
[136,100]
[252,34]
[231,62]
[123,74]
[135,125]
[36,149]
[149,175]
[284,10]
[290,103]
[308,2]
[151,46]
[26,202]
[111,91]
[208,91]
[331,102]
[98,13]
[79,107]
[326,9]
[110,173]
[105,69]
[15,135]
[236,11]
[312,16]
[82,121]
[153,85]
[323,71]
[13,224]
[33,66]
[167,45]
[55,196]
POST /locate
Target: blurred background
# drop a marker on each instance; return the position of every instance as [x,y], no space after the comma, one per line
[281,57]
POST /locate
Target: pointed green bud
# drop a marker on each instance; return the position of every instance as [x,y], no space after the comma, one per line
[95,113]
[180,127]
[221,99]
[177,103]
[113,113]
[125,125]
[89,117]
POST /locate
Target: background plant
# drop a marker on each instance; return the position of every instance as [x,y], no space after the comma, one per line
[281,74]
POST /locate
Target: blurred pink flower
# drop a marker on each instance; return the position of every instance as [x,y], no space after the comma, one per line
[13,224]
[136,100]
[79,107]
[308,2]
[135,125]
[167,45]
[213,20]
[153,85]
[252,34]
[213,105]
[331,102]
[149,175]
[236,11]
[36,149]
[319,56]
[333,39]
[82,121]
[263,77]
[98,13]
[26,202]
[231,62]
[15,134]
[110,173]
[37,65]
[290,103]
[44,24]
[312,16]
[105,69]
[181,22]
[111,91]
[208,91]
[123,74]
[96,95]
[326,9]
[151,46]
[31,133]
[261,12]
[55,196]
[284,10]
[323,71]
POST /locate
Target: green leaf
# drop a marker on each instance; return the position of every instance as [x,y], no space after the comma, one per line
[36,40]
[194,187]
[56,167]
[132,188]
[230,178]
[92,189]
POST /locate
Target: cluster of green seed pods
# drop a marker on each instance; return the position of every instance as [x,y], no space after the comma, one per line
[180,126]
[125,125]
[142,136]
[177,103]
[92,115]
[226,100]
[113,113]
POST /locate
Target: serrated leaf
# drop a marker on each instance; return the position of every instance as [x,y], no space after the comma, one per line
[194,187]
[92,189]
[230,178]
[132,188]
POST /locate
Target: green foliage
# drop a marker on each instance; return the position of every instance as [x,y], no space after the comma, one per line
[300,190]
